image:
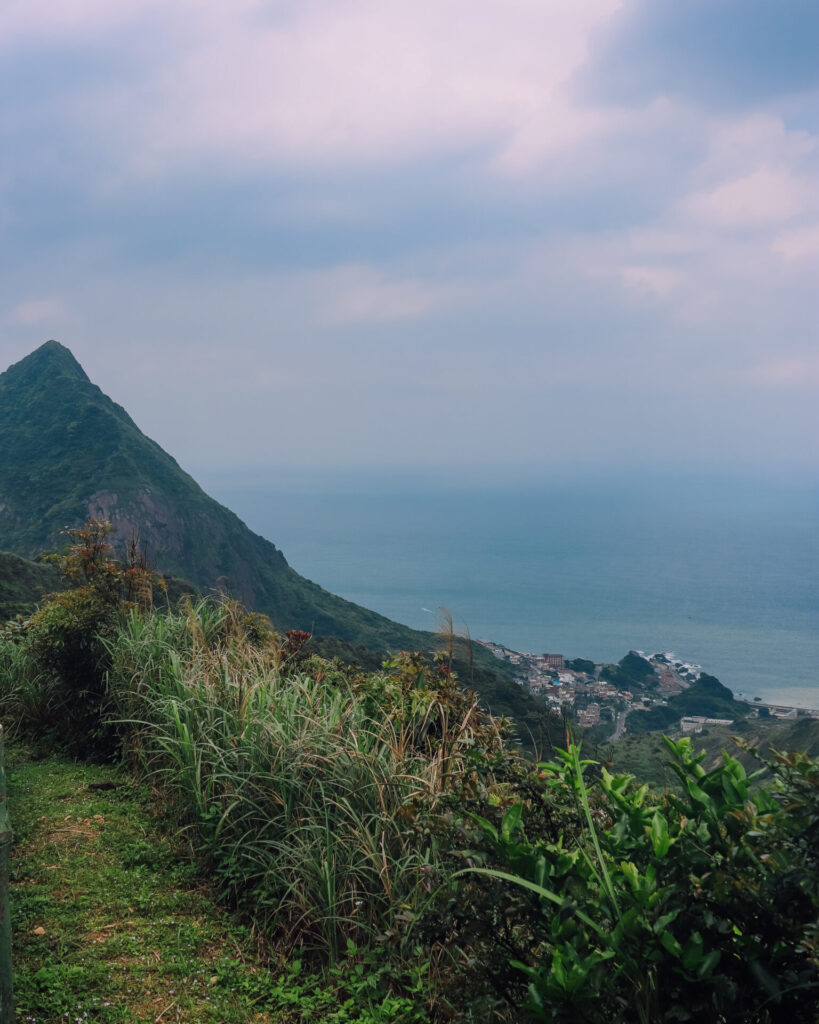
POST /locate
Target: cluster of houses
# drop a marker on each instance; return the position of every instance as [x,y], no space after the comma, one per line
[588,697]
[582,692]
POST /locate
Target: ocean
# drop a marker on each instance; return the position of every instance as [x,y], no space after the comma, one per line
[722,572]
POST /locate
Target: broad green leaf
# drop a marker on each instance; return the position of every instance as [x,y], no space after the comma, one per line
[487,826]
[709,963]
[662,922]
[547,894]
[660,839]
[511,820]
[692,954]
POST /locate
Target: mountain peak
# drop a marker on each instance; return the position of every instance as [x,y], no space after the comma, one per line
[68,454]
[50,360]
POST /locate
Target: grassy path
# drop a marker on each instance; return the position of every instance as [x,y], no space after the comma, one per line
[112,926]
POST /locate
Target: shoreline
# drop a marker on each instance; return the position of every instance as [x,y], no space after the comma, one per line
[541,674]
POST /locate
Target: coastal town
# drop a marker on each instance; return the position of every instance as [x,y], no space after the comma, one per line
[594,693]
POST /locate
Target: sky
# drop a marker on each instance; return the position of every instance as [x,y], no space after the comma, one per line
[438,233]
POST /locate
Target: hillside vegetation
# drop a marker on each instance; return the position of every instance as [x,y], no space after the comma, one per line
[142,936]
[69,454]
[645,755]
[376,826]
[23,584]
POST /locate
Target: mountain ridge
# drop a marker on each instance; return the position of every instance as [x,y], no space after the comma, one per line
[69,453]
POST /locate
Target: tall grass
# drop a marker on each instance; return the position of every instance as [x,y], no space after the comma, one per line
[25,694]
[297,786]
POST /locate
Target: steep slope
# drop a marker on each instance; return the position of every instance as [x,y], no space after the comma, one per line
[68,453]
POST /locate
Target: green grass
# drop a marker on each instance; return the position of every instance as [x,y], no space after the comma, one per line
[112,924]
[297,788]
[300,788]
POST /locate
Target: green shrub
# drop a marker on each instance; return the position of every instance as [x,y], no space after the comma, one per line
[67,652]
[476,924]
[701,906]
[57,660]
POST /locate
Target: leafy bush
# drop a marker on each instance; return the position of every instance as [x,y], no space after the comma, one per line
[65,645]
[698,907]
[476,925]
[57,659]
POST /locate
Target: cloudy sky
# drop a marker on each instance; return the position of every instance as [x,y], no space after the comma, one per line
[365,232]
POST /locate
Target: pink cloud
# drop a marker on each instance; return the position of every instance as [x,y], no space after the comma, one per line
[351,295]
[765,196]
[69,19]
[652,280]
[798,244]
[794,372]
[355,81]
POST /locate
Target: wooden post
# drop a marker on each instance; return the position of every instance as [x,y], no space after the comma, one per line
[6,987]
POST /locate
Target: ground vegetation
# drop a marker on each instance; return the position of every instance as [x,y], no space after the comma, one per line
[379,830]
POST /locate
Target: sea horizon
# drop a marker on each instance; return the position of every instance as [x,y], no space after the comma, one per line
[723,572]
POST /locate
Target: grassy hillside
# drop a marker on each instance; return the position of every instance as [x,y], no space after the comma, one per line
[112,923]
[23,583]
[707,697]
[375,829]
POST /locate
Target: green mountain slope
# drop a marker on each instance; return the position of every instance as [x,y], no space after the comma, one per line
[23,583]
[68,453]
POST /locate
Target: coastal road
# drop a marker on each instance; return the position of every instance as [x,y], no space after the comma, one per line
[619,728]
